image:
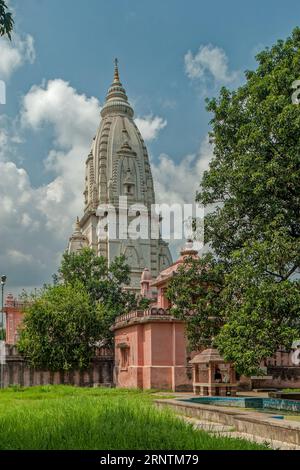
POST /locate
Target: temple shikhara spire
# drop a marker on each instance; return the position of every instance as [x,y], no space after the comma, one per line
[118,165]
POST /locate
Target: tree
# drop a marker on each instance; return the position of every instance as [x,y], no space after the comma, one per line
[252,192]
[60,329]
[67,321]
[261,311]
[6,20]
[253,178]
[195,295]
[103,283]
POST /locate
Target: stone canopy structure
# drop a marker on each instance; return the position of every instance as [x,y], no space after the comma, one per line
[118,165]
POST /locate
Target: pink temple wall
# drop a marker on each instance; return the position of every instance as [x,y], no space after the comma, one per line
[156,355]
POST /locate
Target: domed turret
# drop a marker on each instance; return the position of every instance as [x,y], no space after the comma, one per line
[189,250]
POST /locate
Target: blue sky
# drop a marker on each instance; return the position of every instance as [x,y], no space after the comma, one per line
[172,54]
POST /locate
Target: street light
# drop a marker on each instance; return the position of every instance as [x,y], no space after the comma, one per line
[3,281]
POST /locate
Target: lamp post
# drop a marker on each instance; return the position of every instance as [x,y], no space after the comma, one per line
[3,281]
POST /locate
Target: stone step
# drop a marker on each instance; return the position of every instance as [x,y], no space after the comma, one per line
[229,431]
[208,426]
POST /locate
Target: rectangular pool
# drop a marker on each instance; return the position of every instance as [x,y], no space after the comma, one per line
[257,403]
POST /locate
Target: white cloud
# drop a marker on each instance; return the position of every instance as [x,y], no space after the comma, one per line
[210,62]
[150,126]
[36,221]
[15,53]
[17,257]
[178,182]
[74,118]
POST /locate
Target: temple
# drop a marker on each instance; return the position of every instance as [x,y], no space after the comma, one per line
[118,166]
[150,348]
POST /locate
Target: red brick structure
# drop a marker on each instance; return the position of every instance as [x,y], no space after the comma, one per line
[13,317]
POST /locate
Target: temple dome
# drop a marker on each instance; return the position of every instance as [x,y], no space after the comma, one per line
[118,163]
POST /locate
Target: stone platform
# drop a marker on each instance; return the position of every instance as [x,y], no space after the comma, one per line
[234,422]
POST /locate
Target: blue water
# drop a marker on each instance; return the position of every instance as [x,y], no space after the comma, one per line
[257,403]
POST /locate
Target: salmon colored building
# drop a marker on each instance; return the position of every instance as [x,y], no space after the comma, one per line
[150,346]
[13,317]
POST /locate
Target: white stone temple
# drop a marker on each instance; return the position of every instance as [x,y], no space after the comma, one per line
[118,165]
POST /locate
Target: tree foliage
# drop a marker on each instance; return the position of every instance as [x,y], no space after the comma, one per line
[195,295]
[252,191]
[103,283]
[6,20]
[254,175]
[60,329]
[65,322]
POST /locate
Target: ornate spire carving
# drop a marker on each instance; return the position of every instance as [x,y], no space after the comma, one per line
[116,99]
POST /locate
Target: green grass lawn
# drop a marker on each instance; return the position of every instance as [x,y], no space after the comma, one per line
[65,417]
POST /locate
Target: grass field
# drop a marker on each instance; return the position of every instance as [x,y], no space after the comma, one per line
[64,417]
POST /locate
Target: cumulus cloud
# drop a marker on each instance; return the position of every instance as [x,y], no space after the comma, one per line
[179,182]
[15,53]
[74,118]
[150,126]
[22,257]
[210,62]
[36,220]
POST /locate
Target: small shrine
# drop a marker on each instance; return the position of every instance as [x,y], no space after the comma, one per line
[212,376]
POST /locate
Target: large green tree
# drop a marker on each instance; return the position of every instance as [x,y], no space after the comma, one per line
[64,323]
[253,178]
[252,226]
[195,294]
[6,20]
[106,285]
[61,328]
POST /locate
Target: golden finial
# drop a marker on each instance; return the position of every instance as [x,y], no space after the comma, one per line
[116,75]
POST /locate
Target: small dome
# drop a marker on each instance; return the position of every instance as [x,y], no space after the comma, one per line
[146,275]
[188,249]
[207,356]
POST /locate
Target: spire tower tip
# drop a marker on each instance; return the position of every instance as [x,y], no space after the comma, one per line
[116,74]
